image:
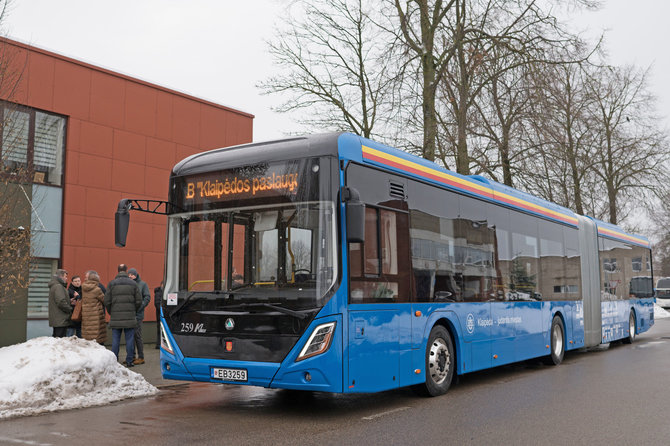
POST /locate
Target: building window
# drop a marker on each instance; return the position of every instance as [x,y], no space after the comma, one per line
[637,264]
[41,272]
[33,143]
[15,135]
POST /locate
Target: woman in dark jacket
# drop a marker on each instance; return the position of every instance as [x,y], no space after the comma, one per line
[74,290]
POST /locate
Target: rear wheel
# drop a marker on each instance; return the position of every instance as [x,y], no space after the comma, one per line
[557,342]
[440,363]
[631,329]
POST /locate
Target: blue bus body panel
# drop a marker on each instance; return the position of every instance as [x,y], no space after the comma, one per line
[490,334]
[322,372]
[615,316]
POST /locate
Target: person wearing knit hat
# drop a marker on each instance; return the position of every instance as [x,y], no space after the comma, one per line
[146,298]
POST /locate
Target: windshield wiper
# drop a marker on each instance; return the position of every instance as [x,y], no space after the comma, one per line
[288,311]
[282,310]
[181,306]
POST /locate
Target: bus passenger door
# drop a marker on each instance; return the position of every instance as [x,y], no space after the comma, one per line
[379,332]
[374,350]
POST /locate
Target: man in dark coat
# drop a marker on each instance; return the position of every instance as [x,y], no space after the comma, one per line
[146,298]
[122,301]
[60,309]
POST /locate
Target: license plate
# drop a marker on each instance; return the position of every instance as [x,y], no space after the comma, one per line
[229,374]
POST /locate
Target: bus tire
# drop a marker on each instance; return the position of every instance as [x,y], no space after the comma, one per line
[632,331]
[440,363]
[557,342]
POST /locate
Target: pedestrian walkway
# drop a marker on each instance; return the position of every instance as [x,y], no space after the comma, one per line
[151,369]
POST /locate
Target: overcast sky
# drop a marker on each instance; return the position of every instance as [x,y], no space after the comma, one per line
[215,49]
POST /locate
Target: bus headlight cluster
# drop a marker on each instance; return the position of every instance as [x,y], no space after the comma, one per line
[318,342]
[165,342]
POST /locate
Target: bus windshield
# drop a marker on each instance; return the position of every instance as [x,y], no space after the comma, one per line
[280,254]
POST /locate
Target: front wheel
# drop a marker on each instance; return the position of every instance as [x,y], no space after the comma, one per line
[631,329]
[440,363]
[557,342]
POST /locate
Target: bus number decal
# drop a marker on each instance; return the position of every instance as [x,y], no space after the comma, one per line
[188,327]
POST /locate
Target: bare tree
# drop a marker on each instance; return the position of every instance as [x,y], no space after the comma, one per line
[659,215]
[336,69]
[501,116]
[479,41]
[421,26]
[14,180]
[631,152]
[562,122]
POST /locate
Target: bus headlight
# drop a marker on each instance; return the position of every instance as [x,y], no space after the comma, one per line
[165,342]
[318,342]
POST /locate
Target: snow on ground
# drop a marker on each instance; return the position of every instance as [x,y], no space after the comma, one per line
[49,374]
[660,313]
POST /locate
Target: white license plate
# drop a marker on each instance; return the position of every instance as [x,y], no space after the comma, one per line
[229,374]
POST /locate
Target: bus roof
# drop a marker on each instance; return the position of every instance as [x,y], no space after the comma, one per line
[390,158]
[373,153]
[277,150]
[356,148]
[614,232]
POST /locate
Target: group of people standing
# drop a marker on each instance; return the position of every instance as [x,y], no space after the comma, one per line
[124,299]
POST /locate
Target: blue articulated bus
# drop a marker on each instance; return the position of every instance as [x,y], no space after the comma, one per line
[335,263]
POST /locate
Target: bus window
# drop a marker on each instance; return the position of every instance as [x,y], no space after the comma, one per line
[389,242]
[552,262]
[475,249]
[433,256]
[613,269]
[300,254]
[267,256]
[206,240]
[201,256]
[384,277]
[371,248]
[573,264]
[525,272]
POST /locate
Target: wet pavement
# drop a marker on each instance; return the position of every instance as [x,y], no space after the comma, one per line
[151,369]
[612,395]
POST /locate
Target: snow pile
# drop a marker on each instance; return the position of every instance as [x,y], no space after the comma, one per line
[49,374]
[659,312]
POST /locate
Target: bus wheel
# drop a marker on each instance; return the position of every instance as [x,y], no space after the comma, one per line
[440,363]
[557,342]
[631,329]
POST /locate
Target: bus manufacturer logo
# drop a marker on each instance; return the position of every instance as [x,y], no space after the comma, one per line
[230,324]
[470,323]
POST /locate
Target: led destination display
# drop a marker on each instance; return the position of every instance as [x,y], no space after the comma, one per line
[217,188]
[275,182]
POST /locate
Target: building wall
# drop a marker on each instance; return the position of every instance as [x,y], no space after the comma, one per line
[123,137]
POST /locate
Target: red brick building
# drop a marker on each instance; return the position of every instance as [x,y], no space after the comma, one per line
[92,137]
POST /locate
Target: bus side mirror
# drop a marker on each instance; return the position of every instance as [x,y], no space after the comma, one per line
[121,223]
[355,215]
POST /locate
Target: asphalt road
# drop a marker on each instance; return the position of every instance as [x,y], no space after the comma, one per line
[613,395]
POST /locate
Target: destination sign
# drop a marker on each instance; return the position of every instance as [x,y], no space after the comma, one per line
[284,180]
[250,185]
[239,186]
